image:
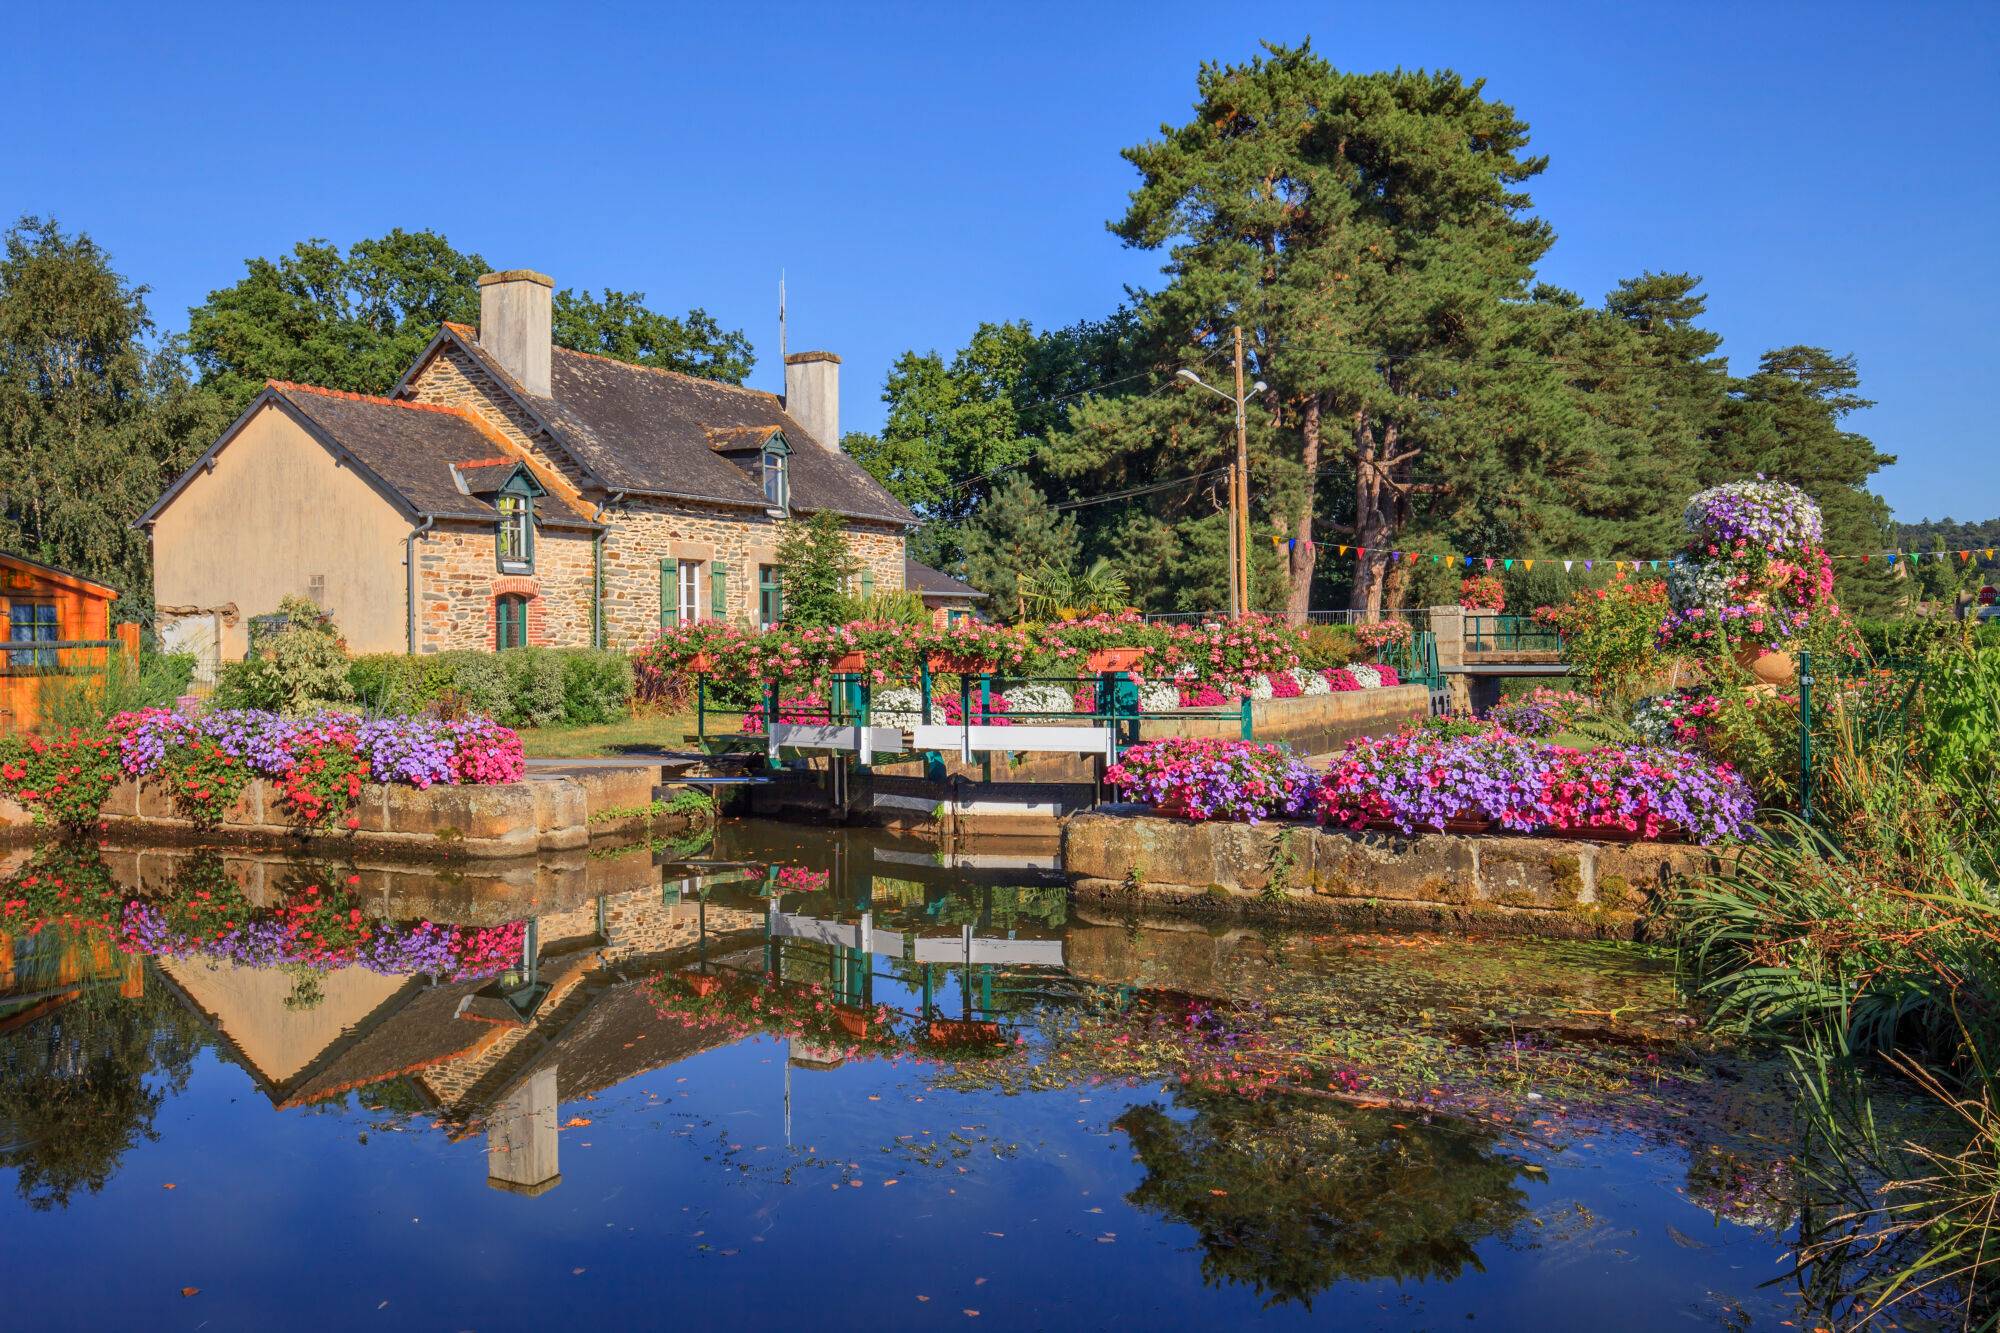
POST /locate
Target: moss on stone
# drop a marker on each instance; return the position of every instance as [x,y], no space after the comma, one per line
[1615,891]
[1566,874]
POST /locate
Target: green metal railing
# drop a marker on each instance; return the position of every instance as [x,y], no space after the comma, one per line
[1509,634]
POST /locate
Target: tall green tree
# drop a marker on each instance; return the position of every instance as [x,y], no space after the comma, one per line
[93,422]
[1013,535]
[818,565]
[357,320]
[1367,232]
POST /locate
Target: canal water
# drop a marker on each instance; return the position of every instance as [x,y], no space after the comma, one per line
[775,1075]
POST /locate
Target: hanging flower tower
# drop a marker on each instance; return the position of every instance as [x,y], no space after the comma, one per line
[1753,576]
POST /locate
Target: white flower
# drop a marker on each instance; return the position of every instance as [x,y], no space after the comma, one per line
[1367,677]
[1159,697]
[1260,688]
[897,707]
[1311,681]
[1039,697]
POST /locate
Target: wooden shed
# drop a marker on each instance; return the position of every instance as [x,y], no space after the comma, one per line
[57,624]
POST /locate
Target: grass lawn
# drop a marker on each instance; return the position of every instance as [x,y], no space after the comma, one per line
[629,735]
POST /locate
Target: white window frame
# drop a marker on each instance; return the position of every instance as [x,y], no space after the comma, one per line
[687,588]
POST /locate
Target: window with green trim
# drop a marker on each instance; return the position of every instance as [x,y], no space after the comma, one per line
[770,596]
[33,622]
[777,473]
[510,621]
[514,539]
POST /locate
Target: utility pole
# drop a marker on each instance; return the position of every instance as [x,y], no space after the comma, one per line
[1235,588]
[1240,500]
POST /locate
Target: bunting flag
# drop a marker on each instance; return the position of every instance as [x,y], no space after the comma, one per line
[1489,562]
[1527,564]
[1589,563]
[1566,565]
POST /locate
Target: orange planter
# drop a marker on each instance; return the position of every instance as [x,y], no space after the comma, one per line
[1114,659]
[701,983]
[959,1032]
[1768,667]
[701,664]
[850,662]
[854,1022]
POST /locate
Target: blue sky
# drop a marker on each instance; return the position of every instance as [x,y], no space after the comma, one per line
[915,169]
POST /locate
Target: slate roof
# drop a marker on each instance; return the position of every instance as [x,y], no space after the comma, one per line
[655,432]
[936,583]
[407,450]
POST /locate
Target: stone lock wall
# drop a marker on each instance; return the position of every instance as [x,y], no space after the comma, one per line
[1533,885]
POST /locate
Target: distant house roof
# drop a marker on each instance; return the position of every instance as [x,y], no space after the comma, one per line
[646,431]
[938,585]
[77,582]
[413,452]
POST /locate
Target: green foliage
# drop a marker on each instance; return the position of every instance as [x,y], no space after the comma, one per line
[1608,636]
[93,422]
[1330,646]
[901,607]
[1051,593]
[357,320]
[296,669]
[86,702]
[1015,533]
[817,565]
[518,687]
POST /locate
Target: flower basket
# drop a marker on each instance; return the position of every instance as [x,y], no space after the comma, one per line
[701,664]
[1102,660]
[852,1021]
[1768,667]
[964,1032]
[850,662]
[702,983]
[1468,823]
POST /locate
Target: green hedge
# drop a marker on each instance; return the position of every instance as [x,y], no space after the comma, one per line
[519,687]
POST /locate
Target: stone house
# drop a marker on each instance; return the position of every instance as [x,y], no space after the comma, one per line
[507,492]
[948,600]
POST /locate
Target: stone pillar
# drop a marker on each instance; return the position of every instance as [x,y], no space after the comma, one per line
[521,1138]
[1448,627]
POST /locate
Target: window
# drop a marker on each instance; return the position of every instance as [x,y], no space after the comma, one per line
[690,591]
[510,621]
[515,534]
[770,596]
[32,622]
[777,484]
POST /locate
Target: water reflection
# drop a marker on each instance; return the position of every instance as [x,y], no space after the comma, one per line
[1314,1110]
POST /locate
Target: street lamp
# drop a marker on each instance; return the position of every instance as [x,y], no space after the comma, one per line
[1239,487]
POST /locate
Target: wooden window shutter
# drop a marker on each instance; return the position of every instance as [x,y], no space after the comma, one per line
[867,584]
[670,593]
[718,589]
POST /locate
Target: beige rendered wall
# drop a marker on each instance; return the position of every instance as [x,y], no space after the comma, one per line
[278,515]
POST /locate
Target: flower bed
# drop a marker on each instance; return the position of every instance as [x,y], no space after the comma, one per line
[1215,779]
[1416,780]
[1540,712]
[204,762]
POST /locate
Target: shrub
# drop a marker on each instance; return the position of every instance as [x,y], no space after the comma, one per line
[1328,646]
[1609,635]
[597,686]
[1482,592]
[62,781]
[86,702]
[295,668]
[535,687]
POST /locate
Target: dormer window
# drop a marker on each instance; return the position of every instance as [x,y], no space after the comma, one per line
[514,536]
[777,478]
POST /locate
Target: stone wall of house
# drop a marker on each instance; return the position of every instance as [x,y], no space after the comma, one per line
[646,540]
[459,582]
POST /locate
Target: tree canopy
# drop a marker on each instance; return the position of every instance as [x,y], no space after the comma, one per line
[1372,235]
[356,321]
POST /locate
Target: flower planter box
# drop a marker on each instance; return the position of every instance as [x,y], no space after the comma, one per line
[854,1022]
[1103,660]
[703,984]
[962,666]
[850,662]
[701,664]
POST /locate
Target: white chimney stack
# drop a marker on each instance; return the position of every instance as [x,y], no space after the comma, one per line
[812,394]
[516,324]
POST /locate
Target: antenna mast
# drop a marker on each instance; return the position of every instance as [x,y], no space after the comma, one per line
[781,317]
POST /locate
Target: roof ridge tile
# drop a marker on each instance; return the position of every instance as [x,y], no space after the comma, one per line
[288,386]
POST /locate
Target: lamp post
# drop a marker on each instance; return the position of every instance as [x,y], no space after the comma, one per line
[1239,488]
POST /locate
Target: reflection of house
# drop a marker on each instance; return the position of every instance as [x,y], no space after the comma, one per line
[492,1055]
[45,970]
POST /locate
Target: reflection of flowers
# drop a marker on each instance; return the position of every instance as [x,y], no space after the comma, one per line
[317,931]
[1760,1194]
[728,1006]
[798,879]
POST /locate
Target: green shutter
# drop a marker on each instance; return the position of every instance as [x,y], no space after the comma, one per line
[867,584]
[718,589]
[670,593]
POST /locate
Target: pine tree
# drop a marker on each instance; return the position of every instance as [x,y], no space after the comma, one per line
[1016,532]
[817,566]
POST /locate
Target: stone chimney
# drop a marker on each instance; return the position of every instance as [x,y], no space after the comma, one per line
[516,315]
[812,394]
